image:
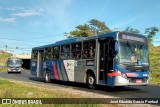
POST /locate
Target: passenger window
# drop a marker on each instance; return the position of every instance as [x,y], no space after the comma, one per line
[55,52]
[65,52]
[89,49]
[34,55]
[47,53]
[76,51]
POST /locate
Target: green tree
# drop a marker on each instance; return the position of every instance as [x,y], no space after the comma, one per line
[98,27]
[81,30]
[151,32]
[93,27]
[132,30]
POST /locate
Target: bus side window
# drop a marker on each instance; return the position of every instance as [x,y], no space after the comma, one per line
[34,55]
[55,52]
[76,51]
[44,57]
[89,49]
[52,53]
[65,52]
[47,54]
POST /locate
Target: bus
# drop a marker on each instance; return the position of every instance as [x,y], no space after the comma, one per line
[14,64]
[112,59]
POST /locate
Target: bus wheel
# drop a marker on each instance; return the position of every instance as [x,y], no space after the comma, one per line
[47,77]
[90,81]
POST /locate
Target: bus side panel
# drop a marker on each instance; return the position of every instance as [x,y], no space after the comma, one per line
[62,70]
[47,65]
[81,67]
[57,70]
[79,70]
[33,68]
[69,68]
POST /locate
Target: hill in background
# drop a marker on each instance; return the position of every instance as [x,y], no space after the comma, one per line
[3,58]
[154,58]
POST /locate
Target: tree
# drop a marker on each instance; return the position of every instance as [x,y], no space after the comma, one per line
[94,27]
[132,30]
[151,32]
[98,27]
[81,30]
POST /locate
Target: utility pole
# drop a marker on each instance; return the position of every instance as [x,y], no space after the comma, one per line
[6,47]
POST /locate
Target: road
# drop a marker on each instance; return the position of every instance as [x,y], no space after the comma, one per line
[150,91]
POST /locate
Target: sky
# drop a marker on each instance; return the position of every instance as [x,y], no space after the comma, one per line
[29,23]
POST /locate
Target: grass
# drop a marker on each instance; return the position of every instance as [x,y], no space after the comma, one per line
[3,59]
[15,90]
[155,64]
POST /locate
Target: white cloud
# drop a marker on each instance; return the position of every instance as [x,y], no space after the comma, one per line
[10,9]
[12,20]
[26,13]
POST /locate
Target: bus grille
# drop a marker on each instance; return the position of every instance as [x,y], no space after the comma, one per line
[133,80]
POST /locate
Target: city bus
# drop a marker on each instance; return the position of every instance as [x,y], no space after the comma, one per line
[112,59]
[14,64]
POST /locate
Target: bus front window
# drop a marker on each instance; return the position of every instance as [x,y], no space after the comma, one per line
[14,62]
[132,52]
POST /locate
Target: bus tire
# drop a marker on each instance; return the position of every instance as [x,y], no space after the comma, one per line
[47,77]
[90,81]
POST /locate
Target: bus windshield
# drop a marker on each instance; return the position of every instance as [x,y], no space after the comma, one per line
[132,52]
[14,62]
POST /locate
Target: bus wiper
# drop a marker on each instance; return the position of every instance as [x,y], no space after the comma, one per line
[141,46]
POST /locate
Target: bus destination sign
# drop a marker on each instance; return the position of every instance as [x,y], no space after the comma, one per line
[132,37]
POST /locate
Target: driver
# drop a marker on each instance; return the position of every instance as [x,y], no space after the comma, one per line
[134,57]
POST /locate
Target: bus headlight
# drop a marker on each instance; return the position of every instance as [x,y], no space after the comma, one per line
[119,72]
[122,74]
[9,69]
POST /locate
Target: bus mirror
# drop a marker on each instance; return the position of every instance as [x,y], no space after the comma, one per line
[7,62]
[116,48]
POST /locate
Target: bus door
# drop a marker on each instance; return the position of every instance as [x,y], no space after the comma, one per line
[39,63]
[106,62]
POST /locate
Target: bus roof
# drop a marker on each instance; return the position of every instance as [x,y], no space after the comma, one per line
[76,39]
[11,58]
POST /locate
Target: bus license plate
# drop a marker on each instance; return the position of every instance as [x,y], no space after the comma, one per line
[138,81]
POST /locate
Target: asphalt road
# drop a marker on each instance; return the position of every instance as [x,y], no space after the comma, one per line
[150,91]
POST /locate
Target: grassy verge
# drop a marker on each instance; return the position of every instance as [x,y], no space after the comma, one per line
[3,69]
[155,65]
[15,90]
[3,59]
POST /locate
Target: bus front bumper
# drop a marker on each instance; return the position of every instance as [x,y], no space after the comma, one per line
[14,69]
[121,81]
